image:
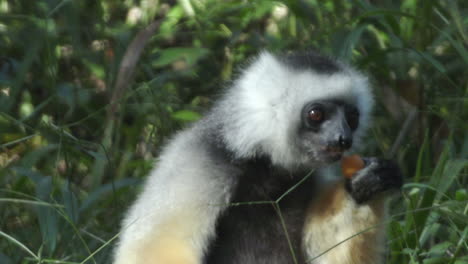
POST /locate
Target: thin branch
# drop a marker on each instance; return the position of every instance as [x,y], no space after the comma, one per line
[127,65]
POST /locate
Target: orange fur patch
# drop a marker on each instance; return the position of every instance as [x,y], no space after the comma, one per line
[333,218]
[329,202]
[170,244]
[167,250]
[367,246]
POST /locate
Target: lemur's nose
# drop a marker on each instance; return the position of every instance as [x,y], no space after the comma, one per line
[345,142]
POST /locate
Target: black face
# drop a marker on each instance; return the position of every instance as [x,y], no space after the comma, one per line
[327,129]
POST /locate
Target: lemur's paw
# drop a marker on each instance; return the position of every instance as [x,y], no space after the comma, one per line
[378,177]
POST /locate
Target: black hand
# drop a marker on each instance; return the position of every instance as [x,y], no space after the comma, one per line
[378,176]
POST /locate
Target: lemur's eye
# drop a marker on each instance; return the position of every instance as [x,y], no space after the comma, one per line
[352,117]
[316,115]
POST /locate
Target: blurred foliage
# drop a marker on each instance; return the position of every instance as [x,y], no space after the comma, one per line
[69,166]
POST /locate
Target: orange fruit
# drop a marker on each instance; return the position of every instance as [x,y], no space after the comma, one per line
[350,165]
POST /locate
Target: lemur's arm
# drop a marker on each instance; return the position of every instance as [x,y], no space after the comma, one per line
[346,218]
[174,217]
[170,231]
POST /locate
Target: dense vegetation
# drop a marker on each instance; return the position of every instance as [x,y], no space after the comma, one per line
[82,114]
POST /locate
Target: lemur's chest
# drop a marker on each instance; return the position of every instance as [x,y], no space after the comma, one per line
[259,228]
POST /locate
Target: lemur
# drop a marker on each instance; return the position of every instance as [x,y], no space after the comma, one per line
[246,184]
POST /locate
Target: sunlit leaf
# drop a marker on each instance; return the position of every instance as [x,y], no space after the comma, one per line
[185,115]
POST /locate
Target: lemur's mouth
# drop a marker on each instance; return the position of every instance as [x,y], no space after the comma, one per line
[332,149]
[331,154]
[334,156]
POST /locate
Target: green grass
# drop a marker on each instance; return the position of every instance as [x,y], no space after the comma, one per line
[78,133]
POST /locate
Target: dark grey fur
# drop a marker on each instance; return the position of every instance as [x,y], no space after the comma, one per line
[253,232]
[311,60]
[384,176]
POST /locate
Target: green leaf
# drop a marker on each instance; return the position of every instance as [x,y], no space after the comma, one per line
[186,115]
[170,55]
[48,222]
[34,176]
[440,249]
[171,20]
[31,159]
[70,202]
[96,69]
[430,229]
[104,190]
[461,195]
[439,66]
[351,40]
[450,173]
[18,244]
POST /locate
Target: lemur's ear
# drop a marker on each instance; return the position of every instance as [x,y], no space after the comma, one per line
[265,64]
